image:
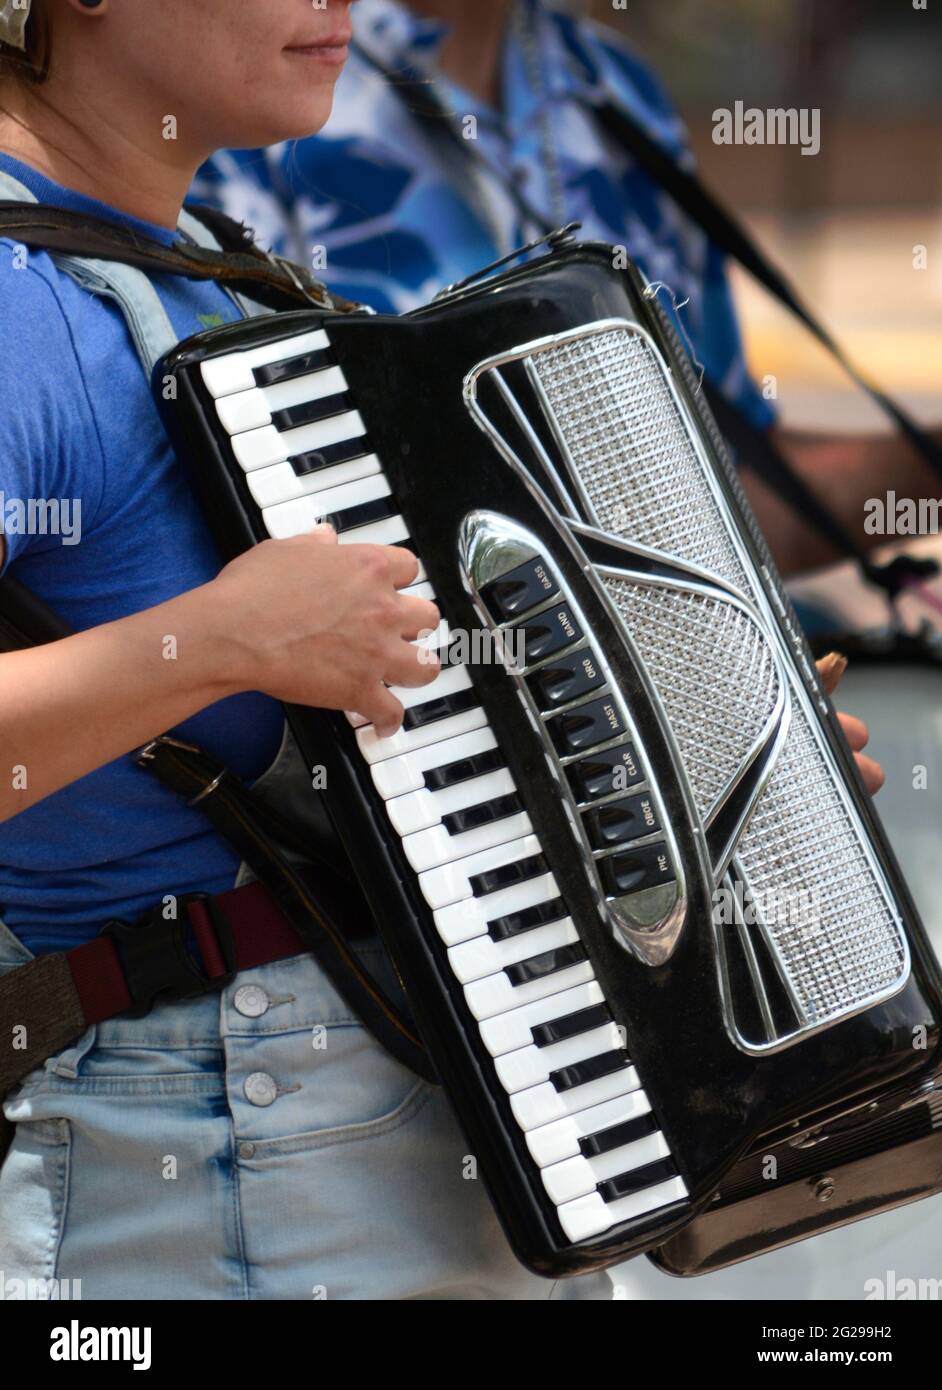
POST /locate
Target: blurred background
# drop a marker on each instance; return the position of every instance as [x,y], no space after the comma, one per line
[844,222]
[844,225]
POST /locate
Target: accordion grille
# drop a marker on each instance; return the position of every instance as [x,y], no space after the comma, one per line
[801,856]
[622,429]
[714,674]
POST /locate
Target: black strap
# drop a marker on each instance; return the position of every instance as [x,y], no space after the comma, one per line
[25,620]
[731,237]
[245,269]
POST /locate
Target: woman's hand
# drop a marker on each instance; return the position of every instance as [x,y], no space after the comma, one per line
[312,622]
[830,669]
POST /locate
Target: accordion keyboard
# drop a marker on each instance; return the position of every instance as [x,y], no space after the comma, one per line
[528,984]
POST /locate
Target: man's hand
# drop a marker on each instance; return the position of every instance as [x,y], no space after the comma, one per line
[312,622]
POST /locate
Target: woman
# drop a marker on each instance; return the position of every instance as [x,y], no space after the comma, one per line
[206,1150]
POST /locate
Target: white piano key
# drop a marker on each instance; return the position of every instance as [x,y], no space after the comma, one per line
[262,447]
[452,680]
[291,518]
[560,1139]
[473,960]
[541,1105]
[575,1177]
[496,995]
[375,749]
[280,483]
[427,849]
[304,513]
[250,409]
[333,500]
[511,1032]
[259,448]
[531,1066]
[422,809]
[386,532]
[468,917]
[397,776]
[223,376]
[451,883]
[590,1216]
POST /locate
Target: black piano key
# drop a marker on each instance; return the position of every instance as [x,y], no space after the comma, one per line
[571,1025]
[310,412]
[600,774]
[619,821]
[519,590]
[647,1176]
[584,727]
[363,514]
[293,367]
[515,923]
[458,822]
[546,963]
[567,1078]
[549,633]
[330,455]
[437,779]
[433,710]
[618,1136]
[565,680]
[507,875]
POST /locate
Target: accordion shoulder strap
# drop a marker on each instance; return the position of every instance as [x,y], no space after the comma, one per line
[730,236]
[244,269]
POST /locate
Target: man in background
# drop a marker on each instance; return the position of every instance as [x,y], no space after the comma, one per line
[463,131]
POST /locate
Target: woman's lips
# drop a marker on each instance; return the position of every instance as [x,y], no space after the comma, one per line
[332,50]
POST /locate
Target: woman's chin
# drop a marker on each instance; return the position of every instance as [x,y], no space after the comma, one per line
[304,117]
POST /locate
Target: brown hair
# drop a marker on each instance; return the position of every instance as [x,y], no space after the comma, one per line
[33,65]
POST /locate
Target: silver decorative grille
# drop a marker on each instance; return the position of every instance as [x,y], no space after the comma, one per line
[616,416]
[843,944]
[713,671]
[633,452]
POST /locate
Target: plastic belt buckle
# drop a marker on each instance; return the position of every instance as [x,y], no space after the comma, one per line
[158,958]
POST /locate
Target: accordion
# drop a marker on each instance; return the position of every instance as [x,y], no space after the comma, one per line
[648,922]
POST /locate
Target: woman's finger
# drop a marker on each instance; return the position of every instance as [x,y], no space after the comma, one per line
[855,731]
[871,772]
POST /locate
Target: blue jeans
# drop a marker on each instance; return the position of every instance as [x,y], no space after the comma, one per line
[254,1144]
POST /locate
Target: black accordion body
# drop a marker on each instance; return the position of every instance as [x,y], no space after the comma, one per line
[648,922]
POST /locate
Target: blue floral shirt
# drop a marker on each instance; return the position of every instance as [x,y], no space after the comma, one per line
[393,200]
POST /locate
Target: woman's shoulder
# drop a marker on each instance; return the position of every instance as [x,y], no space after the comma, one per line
[38,299]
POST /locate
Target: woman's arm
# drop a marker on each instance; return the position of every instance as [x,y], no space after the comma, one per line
[303,620]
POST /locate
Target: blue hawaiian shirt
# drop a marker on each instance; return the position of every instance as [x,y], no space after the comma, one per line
[393,201]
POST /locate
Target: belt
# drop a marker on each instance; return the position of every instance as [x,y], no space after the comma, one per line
[128,967]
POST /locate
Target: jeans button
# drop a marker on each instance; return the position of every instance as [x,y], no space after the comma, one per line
[252,1001]
[260,1088]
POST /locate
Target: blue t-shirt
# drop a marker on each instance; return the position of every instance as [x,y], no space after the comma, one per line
[78,423]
